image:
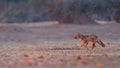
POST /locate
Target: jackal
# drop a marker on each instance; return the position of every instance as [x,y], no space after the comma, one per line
[89,38]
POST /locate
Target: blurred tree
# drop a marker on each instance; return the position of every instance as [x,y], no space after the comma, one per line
[65,11]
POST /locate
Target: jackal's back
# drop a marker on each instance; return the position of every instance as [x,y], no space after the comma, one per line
[85,37]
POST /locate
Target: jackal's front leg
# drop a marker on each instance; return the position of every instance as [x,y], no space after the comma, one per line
[86,45]
[81,45]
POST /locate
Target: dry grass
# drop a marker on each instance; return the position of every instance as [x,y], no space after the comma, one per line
[54,47]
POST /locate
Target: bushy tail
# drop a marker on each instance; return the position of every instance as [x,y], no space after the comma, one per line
[101,43]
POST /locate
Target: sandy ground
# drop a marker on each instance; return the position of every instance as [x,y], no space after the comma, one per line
[53,46]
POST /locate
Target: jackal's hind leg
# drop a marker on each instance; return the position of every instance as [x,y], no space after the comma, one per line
[93,46]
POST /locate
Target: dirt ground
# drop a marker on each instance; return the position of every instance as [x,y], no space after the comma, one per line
[53,46]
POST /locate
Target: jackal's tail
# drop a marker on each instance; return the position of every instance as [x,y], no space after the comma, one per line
[101,43]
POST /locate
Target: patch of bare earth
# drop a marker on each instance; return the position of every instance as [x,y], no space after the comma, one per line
[53,46]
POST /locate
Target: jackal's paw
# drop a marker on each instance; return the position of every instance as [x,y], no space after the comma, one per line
[91,48]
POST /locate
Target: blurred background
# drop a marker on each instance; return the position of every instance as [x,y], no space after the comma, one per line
[63,11]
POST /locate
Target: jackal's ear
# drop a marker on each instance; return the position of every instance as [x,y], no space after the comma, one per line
[78,34]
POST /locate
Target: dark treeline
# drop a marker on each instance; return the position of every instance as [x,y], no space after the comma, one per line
[65,11]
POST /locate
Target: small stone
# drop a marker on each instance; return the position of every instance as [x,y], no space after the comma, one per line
[30,62]
[25,55]
[98,65]
[40,57]
[79,58]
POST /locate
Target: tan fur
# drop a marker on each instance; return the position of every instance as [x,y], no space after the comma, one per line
[89,38]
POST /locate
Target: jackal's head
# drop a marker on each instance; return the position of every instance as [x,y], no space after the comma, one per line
[77,36]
